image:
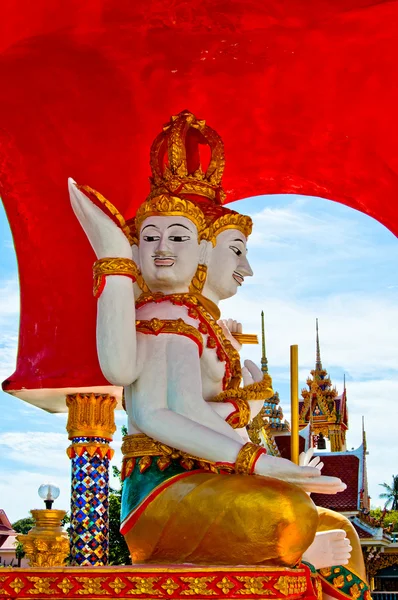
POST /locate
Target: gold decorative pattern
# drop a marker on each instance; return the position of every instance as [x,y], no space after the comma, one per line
[144,585]
[46,544]
[92,585]
[17,585]
[289,586]
[141,446]
[198,586]
[246,338]
[156,581]
[65,585]
[247,457]
[110,207]
[241,417]
[92,448]
[3,591]
[170,586]
[176,326]
[42,585]
[177,173]
[172,206]
[254,585]
[199,280]
[231,220]
[260,390]
[112,266]
[91,415]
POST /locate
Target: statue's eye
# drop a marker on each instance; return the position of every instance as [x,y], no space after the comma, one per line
[179,238]
[151,238]
[236,250]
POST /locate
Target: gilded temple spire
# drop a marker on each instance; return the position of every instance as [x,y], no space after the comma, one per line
[264,361]
[318,362]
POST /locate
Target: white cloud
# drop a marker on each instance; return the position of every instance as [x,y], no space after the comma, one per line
[45,453]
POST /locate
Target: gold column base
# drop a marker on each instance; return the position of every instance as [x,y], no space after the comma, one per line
[46,544]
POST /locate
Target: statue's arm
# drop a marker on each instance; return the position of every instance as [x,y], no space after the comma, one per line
[116,336]
[171,377]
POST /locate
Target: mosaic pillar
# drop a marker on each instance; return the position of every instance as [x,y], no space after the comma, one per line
[90,427]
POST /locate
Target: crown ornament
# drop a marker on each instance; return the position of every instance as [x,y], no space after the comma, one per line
[172,206]
[176,164]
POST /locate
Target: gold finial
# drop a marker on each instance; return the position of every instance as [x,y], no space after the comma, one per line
[264,361]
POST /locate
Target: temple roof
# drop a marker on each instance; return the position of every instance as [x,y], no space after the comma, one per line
[7,534]
[349,467]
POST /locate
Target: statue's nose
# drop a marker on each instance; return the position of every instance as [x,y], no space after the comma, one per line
[245,268]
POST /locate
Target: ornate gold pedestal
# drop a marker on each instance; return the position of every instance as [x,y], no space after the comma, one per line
[46,544]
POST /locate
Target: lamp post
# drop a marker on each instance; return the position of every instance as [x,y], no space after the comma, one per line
[46,544]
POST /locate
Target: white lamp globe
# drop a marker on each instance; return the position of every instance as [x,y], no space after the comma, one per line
[48,492]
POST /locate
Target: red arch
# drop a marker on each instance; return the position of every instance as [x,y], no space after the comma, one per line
[303,94]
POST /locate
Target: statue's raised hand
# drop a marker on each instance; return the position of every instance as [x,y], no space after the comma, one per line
[252,374]
[106,238]
[229,327]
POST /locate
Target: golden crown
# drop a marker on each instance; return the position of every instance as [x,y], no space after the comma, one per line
[176,163]
[179,184]
[172,206]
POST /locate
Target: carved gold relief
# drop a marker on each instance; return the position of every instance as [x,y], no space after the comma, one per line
[199,280]
[290,586]
[91,415]
[247,457]
[254,585]
[46,544]
[198,586]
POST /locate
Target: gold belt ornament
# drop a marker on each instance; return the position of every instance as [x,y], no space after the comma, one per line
[143,448]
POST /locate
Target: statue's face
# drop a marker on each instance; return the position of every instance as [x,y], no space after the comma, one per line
[228,265]
[168,253]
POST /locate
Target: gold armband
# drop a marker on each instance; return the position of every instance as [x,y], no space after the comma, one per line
[112,266]
[241,415]
[247,458]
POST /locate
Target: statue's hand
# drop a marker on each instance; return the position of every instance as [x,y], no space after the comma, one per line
[230,326]
[106,238]
[329,548]
[306,459]
[252,374]
[308,478]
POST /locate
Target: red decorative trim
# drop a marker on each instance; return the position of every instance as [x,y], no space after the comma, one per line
[101,282]
[257,456]
[135,514]
[171,582]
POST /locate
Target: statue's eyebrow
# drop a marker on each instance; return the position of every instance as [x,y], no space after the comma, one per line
[178,225]
[239,240]
[150,225]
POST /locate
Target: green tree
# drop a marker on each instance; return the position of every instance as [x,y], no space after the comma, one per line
[118,551]
[23,525]
[386,517]
[391,494]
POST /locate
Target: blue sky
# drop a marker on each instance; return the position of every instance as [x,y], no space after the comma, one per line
[311,258]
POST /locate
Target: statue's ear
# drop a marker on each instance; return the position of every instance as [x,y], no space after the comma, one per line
[205,249]
[136,255]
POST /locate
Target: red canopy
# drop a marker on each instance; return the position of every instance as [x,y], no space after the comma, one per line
[304,95]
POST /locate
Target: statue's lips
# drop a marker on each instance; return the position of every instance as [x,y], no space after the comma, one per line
[238,277]
[164,261]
